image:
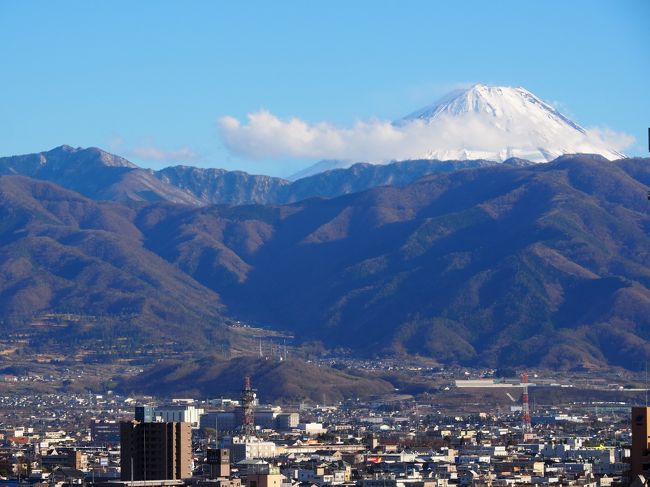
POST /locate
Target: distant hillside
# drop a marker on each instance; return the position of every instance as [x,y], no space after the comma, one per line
[544,265]
[96,174]
[103,176]
[61,252]
[287,381]
[216,186]
[360,177]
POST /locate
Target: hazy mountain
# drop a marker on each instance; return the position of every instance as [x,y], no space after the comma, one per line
[363,176]
[96,174]
[218,186]
[103,176]
[494,123]
[538,265]
[320,167]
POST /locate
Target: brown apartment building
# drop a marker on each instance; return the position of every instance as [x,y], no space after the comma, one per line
[640,451]
[155,451]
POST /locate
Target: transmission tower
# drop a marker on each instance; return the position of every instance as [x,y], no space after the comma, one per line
[248,407]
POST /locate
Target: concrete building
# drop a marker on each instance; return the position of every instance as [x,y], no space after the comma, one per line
[265,418]
[218,459]
[155,451]
[179,414]
[176,413]
[245,449]
[287,421]
[144,414]
[221,482]
[71,458]
[230,421]
[640,451]
[312,428]
[263,475]
[105,432]
[221,420]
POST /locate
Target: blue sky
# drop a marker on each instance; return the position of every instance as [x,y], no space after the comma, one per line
[149,79]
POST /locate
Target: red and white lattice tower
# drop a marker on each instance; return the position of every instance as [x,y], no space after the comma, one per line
[526,427]
[248,407]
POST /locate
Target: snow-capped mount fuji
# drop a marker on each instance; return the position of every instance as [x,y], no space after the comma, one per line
[521,124]
[498,101]
[493,123]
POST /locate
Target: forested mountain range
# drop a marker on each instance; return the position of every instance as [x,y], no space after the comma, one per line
[509,264]
[100,175]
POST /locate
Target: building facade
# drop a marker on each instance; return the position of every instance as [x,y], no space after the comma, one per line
[640,452]
[155,451]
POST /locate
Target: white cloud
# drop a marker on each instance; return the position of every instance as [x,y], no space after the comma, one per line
[153,153]
[610,138]
[265,136]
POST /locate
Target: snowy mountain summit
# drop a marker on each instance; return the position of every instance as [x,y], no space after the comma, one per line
[483,122]
[499,122]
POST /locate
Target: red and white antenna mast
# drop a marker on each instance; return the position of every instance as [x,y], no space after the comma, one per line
[526,426]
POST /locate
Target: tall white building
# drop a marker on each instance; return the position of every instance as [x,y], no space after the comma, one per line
[179,413]
[245,449]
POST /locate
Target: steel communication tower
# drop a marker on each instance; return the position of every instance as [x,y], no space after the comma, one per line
[526,427]
[248,407]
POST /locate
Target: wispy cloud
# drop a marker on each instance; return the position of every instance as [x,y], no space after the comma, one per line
[611,138]
[157,154]
[265,136]
[149,151]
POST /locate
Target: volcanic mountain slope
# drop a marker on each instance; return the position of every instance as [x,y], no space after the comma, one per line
[541,265]
[61,252]
[518,124]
